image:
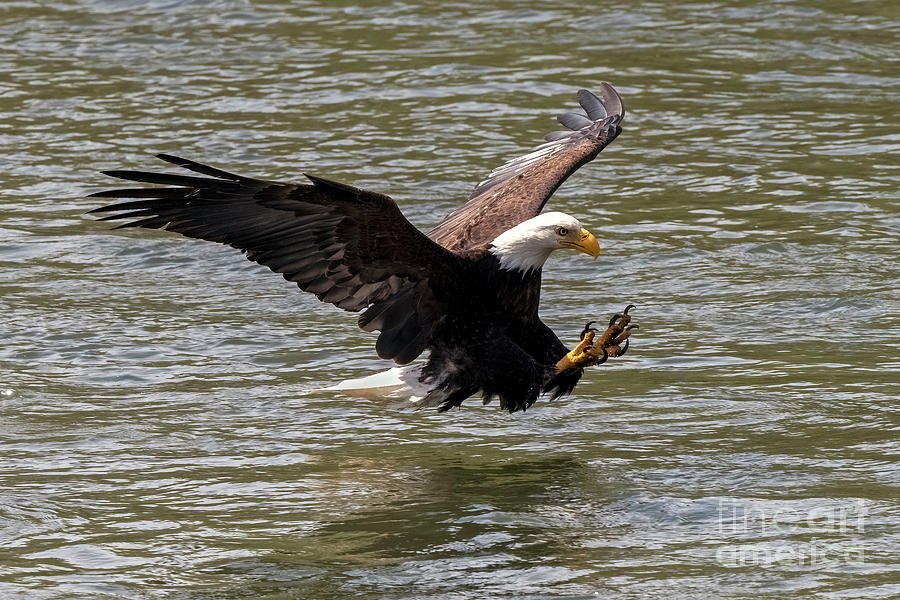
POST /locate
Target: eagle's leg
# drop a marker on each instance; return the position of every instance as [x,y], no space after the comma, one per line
[592,350]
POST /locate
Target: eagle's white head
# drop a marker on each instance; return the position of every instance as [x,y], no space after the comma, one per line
[528,245]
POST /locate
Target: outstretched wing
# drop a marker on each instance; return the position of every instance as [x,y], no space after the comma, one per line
[518,190]
[350,247]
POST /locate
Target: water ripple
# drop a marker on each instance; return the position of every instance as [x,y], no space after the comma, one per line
[163,427]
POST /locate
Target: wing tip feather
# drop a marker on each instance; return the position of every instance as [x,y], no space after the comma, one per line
[589,135]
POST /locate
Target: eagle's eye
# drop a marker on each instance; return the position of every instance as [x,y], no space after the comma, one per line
[562,231]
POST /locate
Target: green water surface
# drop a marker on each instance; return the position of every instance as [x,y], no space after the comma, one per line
[160,432]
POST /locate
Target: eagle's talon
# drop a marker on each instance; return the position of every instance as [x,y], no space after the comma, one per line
[587,328]
[617,325]
[591,350]
[623,336]
[614,342]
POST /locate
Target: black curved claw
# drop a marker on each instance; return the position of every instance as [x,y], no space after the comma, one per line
[624,349]
[615,318]
[603,360]
[629,307]
[587,328]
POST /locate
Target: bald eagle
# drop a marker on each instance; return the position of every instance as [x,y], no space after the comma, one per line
[467,292]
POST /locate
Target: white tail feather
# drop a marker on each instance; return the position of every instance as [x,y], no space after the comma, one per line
[397,385]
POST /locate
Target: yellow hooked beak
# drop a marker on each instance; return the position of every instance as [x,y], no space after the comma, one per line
[586,243]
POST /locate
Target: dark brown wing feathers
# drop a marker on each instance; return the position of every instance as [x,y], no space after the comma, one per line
[519,189]
[349,247]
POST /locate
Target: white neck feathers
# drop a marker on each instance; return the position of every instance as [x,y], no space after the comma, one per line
[527,246]
[515,255]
